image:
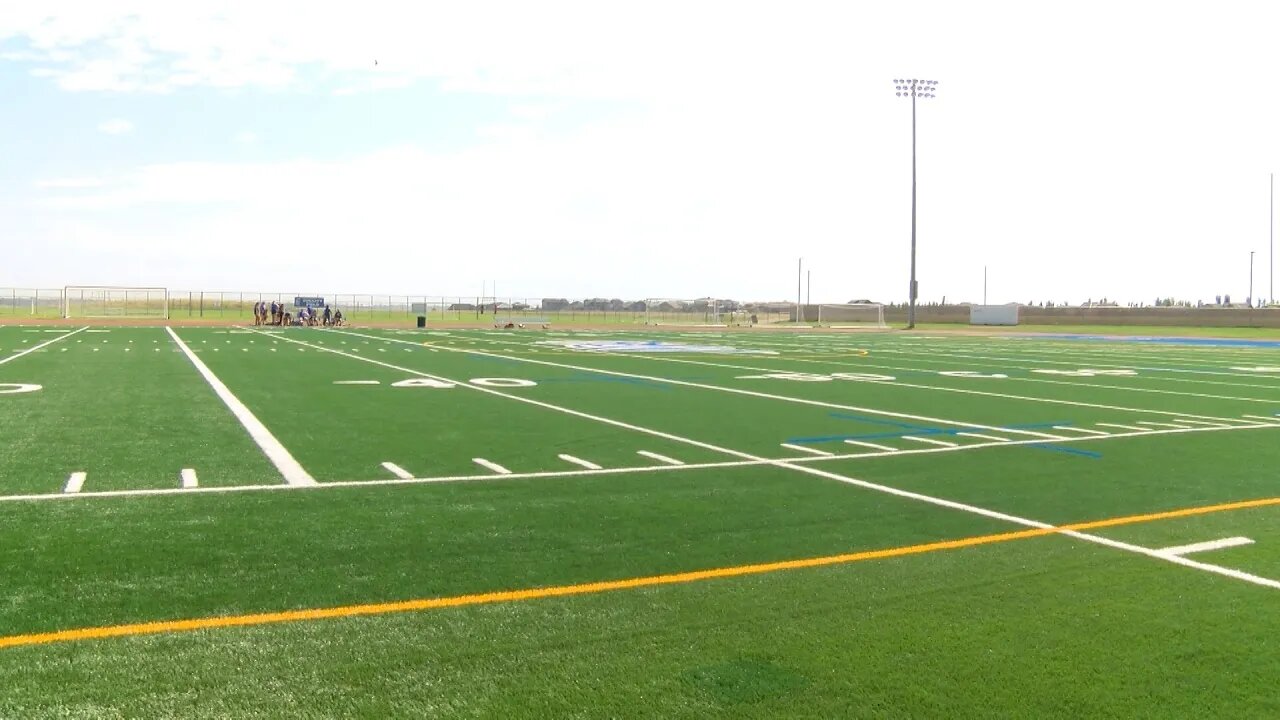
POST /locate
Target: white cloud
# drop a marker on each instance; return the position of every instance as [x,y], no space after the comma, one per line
[116,126]
[246,137]
[1077,152]
[75,183]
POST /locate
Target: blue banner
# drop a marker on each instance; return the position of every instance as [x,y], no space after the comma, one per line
[311,302]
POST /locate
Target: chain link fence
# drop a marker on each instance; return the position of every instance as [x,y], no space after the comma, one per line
[237,306]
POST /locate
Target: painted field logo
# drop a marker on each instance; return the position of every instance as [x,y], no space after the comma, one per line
[651,346]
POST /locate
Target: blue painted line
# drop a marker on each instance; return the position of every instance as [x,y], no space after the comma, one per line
[1068,450]
[1156,340]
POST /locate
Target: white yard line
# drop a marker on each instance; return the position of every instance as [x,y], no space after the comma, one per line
[279,456]
[491,465]
[887,452]
[1206,423]
[1122,427]
[897,383]
[802,448]
[1086,431]
[940,443]
[189,478]
[579,461]
[1202,422]
[1208,545]
[872,445]
[74,483]
[44,344]
[659,458]
[398,471]
[980,436]
[864,364]
[735,391]
[886,489]
[1263,417]
[1160,424]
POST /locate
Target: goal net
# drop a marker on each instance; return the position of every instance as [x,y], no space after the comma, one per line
[86,301]
[860,315]
[703,312]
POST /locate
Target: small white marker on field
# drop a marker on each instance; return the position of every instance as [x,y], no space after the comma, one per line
[189,479]
[1205,423]
[579,461]
[941,443]
[398,471]
[74,483]
[860,443]
[1086,431]
[491,465]
[801,448]
[1206,546]
[1123,427]
[356,382]
[659,458]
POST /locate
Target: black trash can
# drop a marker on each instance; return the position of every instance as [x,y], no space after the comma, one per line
[422,321]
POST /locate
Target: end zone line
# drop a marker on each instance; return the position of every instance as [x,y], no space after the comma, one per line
[589,588]
[274,450]
[44,344]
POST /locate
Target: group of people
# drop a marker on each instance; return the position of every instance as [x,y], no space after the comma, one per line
[274,313]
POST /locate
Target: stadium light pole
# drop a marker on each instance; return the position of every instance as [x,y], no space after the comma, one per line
[1272,239]
[913,89]
[799,274]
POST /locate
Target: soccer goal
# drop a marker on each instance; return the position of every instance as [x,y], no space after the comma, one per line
[88,301]
[857,315]
[703,312]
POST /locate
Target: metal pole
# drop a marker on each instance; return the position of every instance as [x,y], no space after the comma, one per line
[914,88]
[1250,278]
[799,272]
[911,299]
[1273,238]
[808,287]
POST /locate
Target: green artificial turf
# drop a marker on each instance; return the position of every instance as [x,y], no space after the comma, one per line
[1030,627]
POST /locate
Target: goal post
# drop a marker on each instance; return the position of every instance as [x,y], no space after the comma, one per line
[106,301]
[852,315]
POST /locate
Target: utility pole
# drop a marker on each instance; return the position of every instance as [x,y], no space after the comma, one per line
[913,89]
[808,287]
[1250,278]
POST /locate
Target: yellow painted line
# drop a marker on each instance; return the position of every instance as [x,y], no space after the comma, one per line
[344,611]
[1173,514]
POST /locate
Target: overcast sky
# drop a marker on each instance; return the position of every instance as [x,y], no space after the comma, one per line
[639,149]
